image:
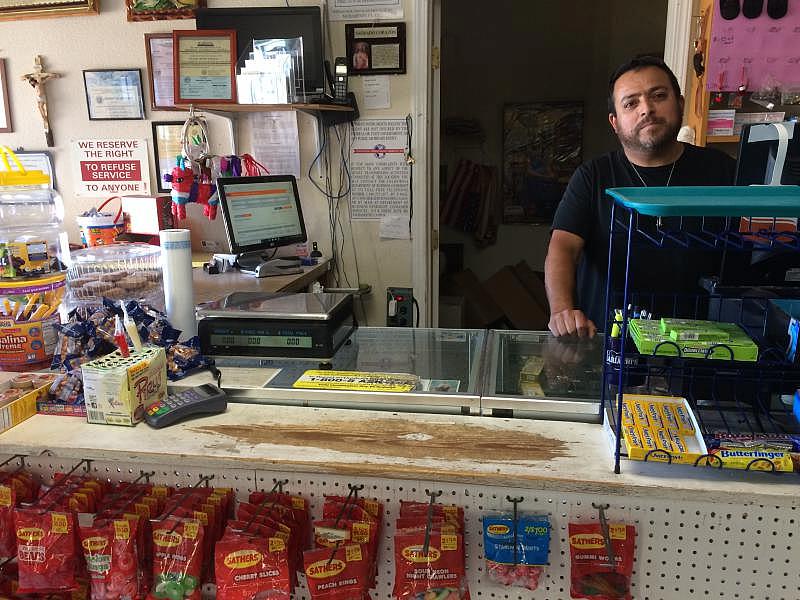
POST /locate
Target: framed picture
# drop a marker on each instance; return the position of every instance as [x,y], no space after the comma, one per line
[12,10]
[114,94]
[376,48]
[160,73]
[204,64]
[160,10]
[542,147]
[5,111]
[167,146]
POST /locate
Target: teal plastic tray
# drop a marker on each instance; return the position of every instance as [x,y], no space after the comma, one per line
[695,201]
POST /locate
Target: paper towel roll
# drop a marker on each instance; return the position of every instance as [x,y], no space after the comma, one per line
[176,263]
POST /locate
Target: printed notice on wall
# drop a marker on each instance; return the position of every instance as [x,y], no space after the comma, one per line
[379,172]
[108,167]
[275,141]
[360,10]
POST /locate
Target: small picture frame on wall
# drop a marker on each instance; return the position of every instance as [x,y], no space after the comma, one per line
[5,110]
[376,48]
[204,66]
[160,71]
[14,10]
[167,146]
[114,94]
[161,10]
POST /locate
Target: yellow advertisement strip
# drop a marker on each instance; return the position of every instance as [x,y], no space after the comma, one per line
[356,381]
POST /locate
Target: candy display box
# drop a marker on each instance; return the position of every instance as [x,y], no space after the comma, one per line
[117,388]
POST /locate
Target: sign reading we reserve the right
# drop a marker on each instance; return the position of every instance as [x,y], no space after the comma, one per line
[105,167]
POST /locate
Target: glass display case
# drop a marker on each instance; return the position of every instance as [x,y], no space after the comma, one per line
[446,366]
[533,374]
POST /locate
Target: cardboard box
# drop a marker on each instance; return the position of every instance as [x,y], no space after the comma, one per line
[116,388]
[519,306]
[23,408]
[481,310]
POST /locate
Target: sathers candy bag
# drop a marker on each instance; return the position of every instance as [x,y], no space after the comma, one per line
[45,550]
[338,574]
[592,575]
[533,542]
[112,559]
[177,559]
[248,568]
[440,574]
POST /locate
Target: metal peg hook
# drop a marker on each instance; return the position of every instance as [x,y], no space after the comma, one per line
[601,509]
[279,483]
[516,500]
[429,523]
[21,457]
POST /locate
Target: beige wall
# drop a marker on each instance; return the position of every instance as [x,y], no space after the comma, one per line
[69,45]
[527,51]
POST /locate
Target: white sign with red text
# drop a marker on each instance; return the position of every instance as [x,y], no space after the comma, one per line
[111,167]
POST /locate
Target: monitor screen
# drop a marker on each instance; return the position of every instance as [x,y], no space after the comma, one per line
[261,212]
[758,151]
[276,22]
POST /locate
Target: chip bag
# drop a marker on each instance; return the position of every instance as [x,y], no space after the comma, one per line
[592,574]
[46,551]
[112,559]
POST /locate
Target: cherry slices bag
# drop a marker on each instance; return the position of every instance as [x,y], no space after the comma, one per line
[248,567]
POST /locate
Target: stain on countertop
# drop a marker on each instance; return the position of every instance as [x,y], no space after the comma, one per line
[401,438]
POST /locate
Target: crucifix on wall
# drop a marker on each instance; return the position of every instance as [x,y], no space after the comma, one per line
[38,79]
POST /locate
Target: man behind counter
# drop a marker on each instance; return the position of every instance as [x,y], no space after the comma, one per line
[645,111]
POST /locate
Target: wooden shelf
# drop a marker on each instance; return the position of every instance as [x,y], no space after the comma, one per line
[249,108]
[722,139]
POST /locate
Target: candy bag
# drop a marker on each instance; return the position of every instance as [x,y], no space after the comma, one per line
[339,574]
[8,538]
[439,574]
[248,567]
[522,568]
[177,559]
[592,575]
[112,559]
[45,550]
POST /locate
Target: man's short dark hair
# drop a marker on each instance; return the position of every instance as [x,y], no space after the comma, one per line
[640,62]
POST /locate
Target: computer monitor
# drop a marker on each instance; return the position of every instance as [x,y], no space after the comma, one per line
[260,213]
[275,22]
[761,151]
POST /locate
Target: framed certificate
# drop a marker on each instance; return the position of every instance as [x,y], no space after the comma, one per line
[5,111]
[167,146]
[376,48]
[114,94]
[160,71]
[13,10]
[204,64]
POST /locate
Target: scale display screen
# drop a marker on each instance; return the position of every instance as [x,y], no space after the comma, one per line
[262,341]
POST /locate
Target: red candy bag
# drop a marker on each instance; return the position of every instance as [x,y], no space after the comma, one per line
[45,551]
[112,560]
[8,538]
[177,559]
[441,571]
[592,575]
[339,574]
[251,567]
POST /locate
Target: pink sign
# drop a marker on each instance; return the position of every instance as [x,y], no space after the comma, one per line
[758,53]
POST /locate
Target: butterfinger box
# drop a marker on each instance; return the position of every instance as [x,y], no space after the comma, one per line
[117,388]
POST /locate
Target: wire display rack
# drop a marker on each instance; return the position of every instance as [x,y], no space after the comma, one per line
[730,397]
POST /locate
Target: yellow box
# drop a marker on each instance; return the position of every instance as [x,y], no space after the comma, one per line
[627,413]
[684,420]
[117,388]
[663,440]
[639,410]
[17,411]
[668,416]
[654,415]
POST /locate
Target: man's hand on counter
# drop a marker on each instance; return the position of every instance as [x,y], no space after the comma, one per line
[571,322]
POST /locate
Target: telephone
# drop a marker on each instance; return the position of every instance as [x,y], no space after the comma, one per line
[340,80]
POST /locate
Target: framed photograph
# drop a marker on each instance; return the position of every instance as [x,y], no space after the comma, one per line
[376,48]
[204,66]
[160,72]
[542,147]
[167,146]
[114,94]
[12,10]
[5,111]
[160,10]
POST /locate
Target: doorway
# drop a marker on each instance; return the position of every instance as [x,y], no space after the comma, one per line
[528,54]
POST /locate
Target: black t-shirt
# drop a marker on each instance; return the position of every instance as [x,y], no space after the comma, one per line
[585,210]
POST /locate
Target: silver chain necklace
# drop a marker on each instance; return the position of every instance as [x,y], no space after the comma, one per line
[639,175]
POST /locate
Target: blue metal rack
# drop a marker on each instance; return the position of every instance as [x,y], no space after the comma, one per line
[727,396]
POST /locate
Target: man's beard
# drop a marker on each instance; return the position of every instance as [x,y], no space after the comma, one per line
[651,143]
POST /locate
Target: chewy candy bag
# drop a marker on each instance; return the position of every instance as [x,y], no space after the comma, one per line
[112,559]
[339,574]
[593,576]
[438,575]
[248,567]
[46,551]
[524,567]
[177,559]
[8,538]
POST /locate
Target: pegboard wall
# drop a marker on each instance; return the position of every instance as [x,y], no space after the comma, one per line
[686,551]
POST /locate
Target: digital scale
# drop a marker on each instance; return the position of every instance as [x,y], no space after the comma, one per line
[260,325]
